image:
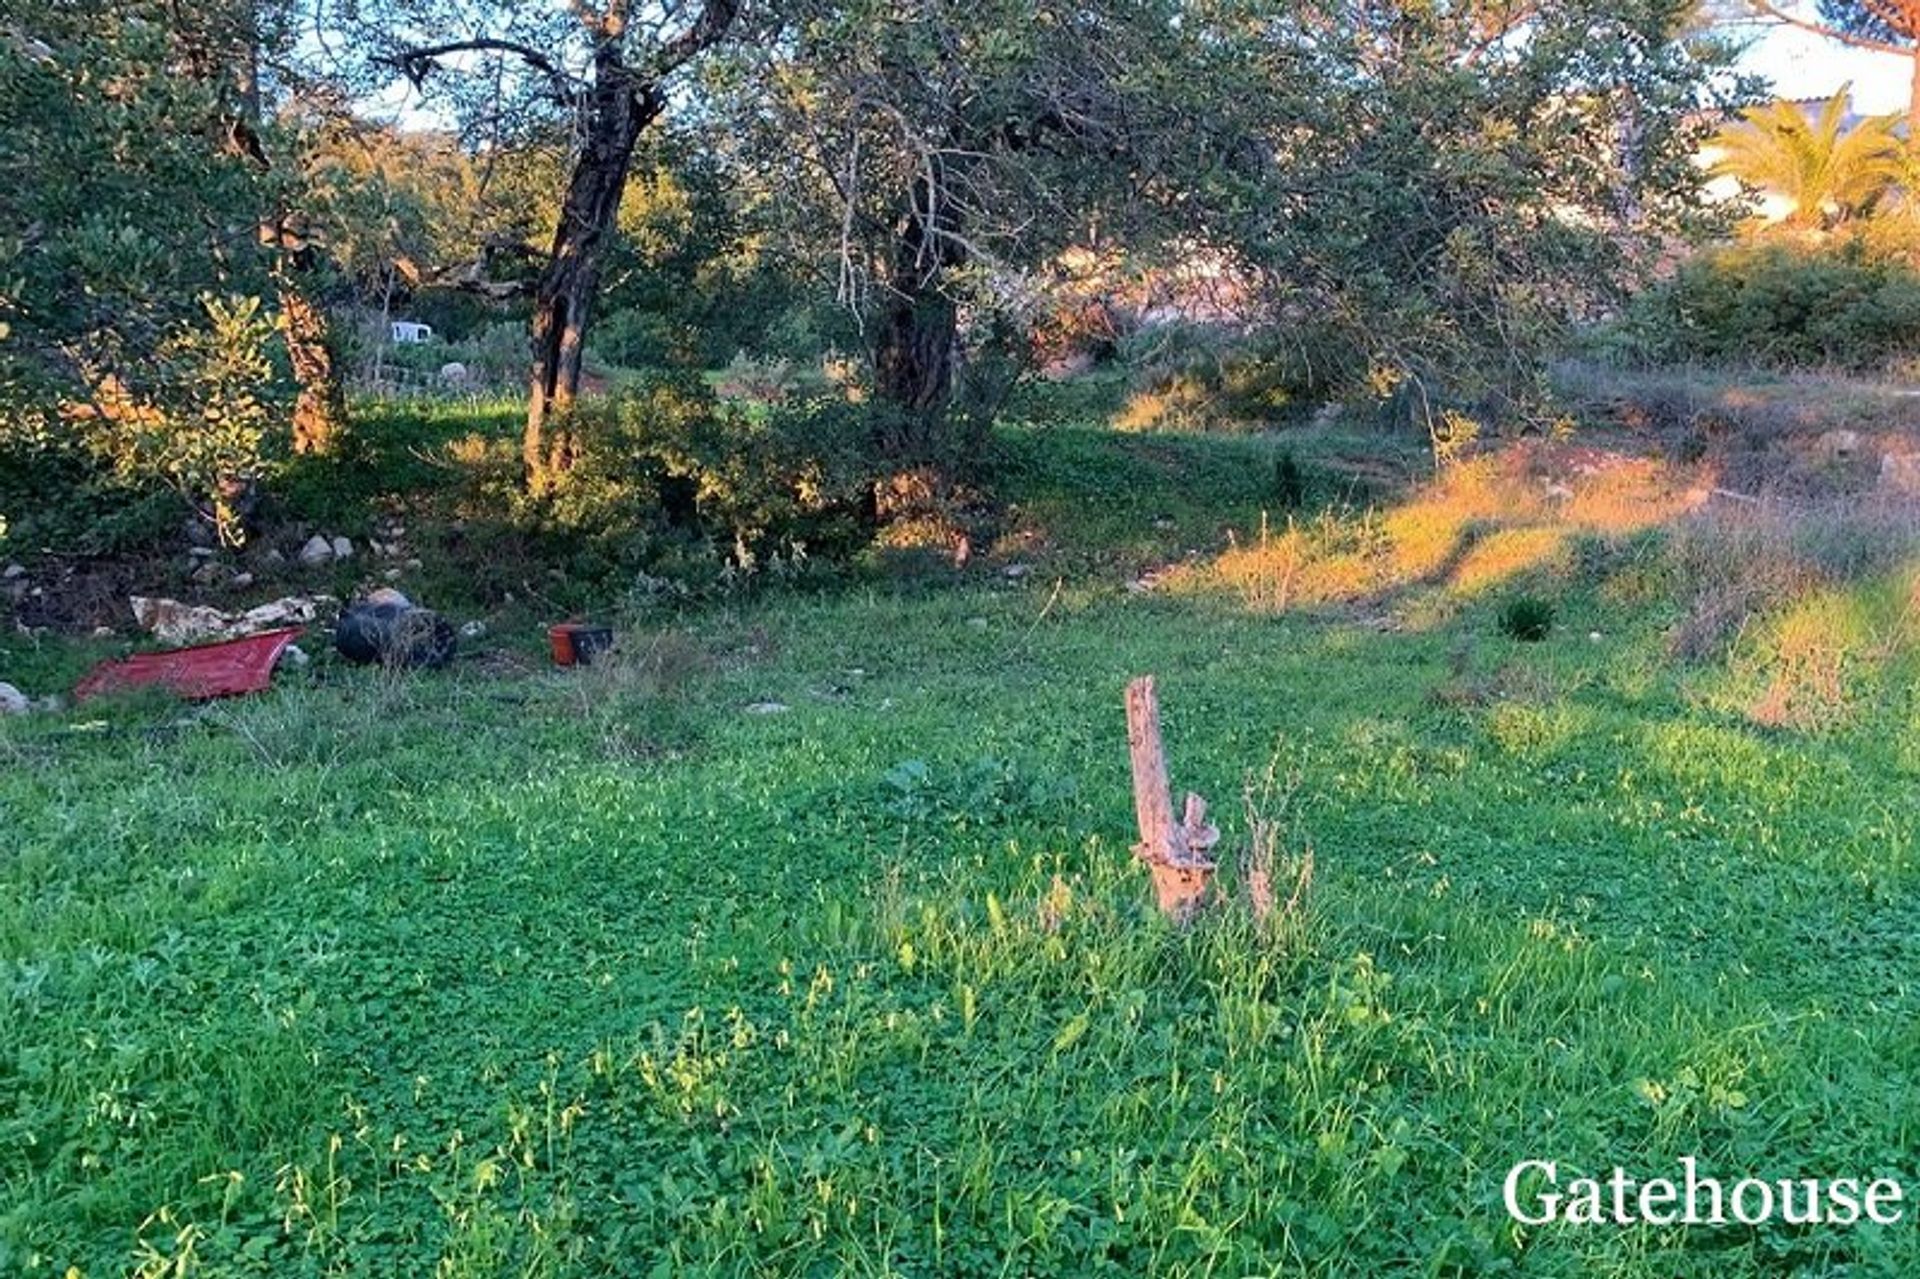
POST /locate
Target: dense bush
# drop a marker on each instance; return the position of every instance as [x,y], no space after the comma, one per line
[669,481]
[1197,377]
[201,419]
[211,426]
[61,499]
[634,338]
[1527,618]
[1779,304]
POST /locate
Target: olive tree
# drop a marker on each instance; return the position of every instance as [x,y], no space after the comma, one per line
[929,157]
[128,219]
[1444,186]
[1467,181]
[601,73]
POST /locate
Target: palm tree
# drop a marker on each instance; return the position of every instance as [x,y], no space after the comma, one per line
[1829,171]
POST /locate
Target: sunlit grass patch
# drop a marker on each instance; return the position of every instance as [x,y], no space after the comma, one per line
[1810,664]
[1476,525]
[1724,756]
[1520,728]
[1505,554]
[1617,495]
[1734,562]
[1808,659]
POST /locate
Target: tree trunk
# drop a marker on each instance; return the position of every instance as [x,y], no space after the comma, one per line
[618,110]
[915,350]
[1913,98]
[320,406]
[320,403]
[913,372]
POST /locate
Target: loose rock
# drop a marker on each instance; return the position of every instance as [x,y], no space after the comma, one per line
[1838,446]
[13,701]
[342,549]
[1900,473]
[291,610]
[316,552]
[172,622]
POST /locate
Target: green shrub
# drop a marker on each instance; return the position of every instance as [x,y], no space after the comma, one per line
[1289,482]
[1778,304]
[668,481]
[1090,399]
[1527,618]
[199,418]
[211,430]
[1197,377]
[635,338]
[63,499]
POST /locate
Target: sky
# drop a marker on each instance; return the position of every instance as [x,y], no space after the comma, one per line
[1803,65]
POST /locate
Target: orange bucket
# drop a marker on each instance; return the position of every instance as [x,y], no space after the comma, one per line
[578,643]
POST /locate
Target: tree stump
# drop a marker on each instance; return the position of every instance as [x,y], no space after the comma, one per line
[1176,852]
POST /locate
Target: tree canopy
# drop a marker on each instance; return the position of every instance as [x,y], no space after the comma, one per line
[1402,196]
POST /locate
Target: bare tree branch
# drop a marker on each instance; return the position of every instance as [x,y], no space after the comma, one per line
[715,17]
[1767,9]
[417,63]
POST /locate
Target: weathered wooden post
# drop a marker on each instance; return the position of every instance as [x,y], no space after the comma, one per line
[1176,852]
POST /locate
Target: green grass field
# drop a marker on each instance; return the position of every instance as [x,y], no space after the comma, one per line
[513,972]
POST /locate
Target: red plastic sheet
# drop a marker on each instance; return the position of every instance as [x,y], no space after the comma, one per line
[225,669]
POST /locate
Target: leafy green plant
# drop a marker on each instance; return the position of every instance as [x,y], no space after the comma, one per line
[1778,304]
[1527,618]
[669,479]
[1451,435]
[206,422]
[1289,482]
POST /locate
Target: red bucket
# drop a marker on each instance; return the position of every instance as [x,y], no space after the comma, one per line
[578,643]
